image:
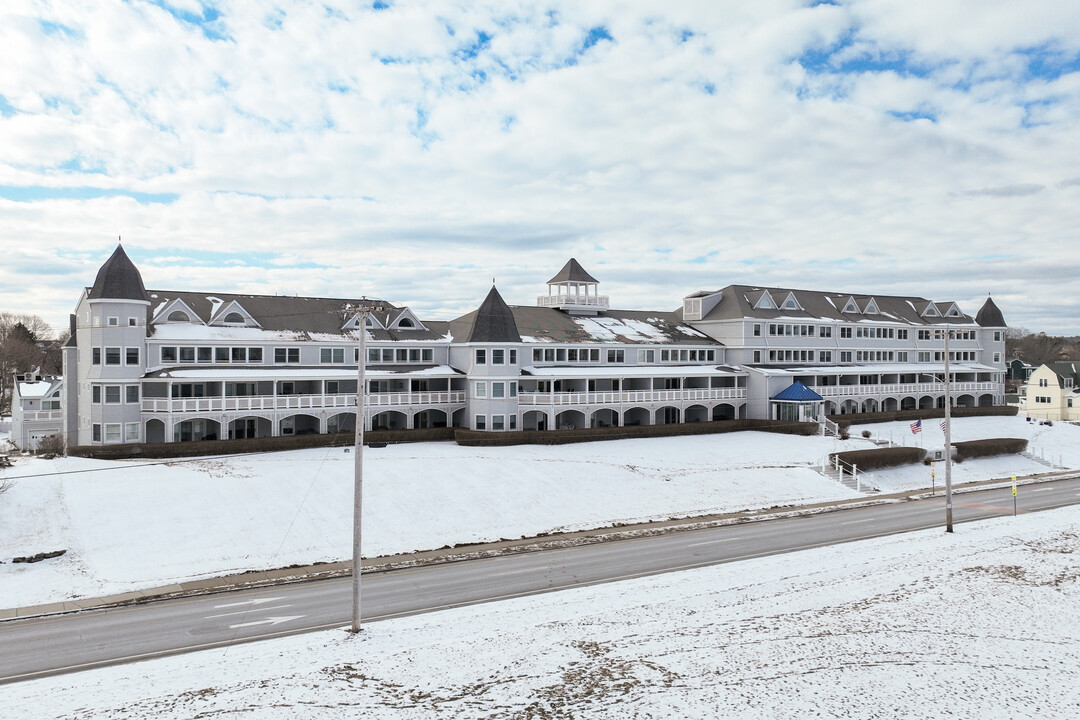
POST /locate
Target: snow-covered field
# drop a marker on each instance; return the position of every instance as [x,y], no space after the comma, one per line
[131,525]
[983,624]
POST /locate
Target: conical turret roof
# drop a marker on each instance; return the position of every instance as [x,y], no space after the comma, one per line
[989,315]
[119,279]
[493,321]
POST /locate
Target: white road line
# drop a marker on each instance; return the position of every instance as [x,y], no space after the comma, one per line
[1041,489]
[259,601]
[856,522]
[713,542]
[244,612]
[267,621]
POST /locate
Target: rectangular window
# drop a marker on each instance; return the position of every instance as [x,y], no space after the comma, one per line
[373,355]
[237,355]
[133,322]
[112,432]
[112,356]
[187,354]
[665,355]
[571,355]
[513,388]
[221,354]
[513,356]
[845,332]
[901,334]
[112,393]
[498,422]
[131,432]
[331,355]
[481,389]
[826,331]
[254,355]
[901,356]
[113,321]
[498,356]
[924,334]
[96,352]
[332,387]
[560,355]
[131,356]
[757,356]
[131,393]
[498,389]
[481,422]
[538,355]
[845,357]
[401,355]
[414,356]
[549,355]
[616,356]
[513,419]
[95,392]
[645,357]
[286,355]
[481,356]
[387,355]
[96,433]
[997,338]
[757,330]
[204,354]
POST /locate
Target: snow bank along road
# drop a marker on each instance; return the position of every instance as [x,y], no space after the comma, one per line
[65,643]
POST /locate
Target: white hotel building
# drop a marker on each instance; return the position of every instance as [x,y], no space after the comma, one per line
[164,366]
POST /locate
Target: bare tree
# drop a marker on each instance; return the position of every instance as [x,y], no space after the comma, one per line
[19,350]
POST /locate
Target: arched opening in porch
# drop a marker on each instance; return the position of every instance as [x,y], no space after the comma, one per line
[696,413]
[570,420]
[196,429]
[535,420]
[723,411]
[637,416]
[429,419]
[604,417]
[389,420]
[341,423]
[250,427]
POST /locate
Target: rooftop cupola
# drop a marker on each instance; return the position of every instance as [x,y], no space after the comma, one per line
[494,321]
[989,315]
[119,279]
[574,291]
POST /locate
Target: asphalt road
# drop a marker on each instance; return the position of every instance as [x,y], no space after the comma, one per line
[65,643]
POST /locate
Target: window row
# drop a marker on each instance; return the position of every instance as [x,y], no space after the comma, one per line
[130,432]
[799,356]
[211,355]
[1044,399]
[114,355]
[498,389]
[778,330]
[618,356]
[497,422]
[398,355]
[291,355]
[114,394]
[499,356]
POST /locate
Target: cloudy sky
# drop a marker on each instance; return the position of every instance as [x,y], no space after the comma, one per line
[414,150]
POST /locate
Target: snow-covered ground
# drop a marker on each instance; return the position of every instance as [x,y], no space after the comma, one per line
[983,624]
[131,525]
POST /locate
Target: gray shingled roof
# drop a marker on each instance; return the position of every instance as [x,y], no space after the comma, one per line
[989,315]
[292,314]
[738,302]
[572,272]
[118,279]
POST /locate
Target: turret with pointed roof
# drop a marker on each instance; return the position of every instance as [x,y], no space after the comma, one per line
[493,321]
[119,279]
[989,315]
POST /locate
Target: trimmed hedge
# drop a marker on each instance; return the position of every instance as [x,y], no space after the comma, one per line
[249,445]
[989,447]
[480,438]
[878,458]
[927,414]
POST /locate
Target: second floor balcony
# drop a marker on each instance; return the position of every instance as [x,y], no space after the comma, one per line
[630,397]
[300,402]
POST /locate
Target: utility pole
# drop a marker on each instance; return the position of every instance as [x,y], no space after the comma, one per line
[948,440]
[358,474]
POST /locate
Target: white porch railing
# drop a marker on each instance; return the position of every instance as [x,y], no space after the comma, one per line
[630,396]
[901,389]
[593,301]
[42,415]
[298,402]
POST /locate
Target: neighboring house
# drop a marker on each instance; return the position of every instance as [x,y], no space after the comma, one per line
[168,366]
[36,410]
[1019,370]
[1053,392]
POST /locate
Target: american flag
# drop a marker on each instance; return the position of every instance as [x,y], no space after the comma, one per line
[944,426]
[916,427]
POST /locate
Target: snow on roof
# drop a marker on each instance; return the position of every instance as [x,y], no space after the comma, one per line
[36,389]
[897,368]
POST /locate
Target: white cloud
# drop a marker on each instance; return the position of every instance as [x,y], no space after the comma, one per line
[390,145]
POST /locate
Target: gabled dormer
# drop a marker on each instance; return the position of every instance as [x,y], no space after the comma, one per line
[177,311]
[851,307]
[791,303]
[953,311]
[233,314]
[931,310]
[871,307]
[353,322]
[698,305]
[404,319]
[765,301]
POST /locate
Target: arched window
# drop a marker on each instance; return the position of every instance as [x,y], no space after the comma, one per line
[234,318]
[406,323]
[179,316]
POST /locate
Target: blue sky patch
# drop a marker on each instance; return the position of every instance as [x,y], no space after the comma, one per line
[208,22]
[1047,63]
[55,28]
[911,115]
[35,193]
[595,35]
[380,5]
[477,46]
[75,164]
[6,108]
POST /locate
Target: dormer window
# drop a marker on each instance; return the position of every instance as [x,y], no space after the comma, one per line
[851,307]
[178,316]
[871,308]
[765,302]
[931,311]
[791,303]
[234,318]
[953,312]
[406,323]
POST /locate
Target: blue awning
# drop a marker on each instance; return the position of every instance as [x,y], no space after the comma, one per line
[797,392]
